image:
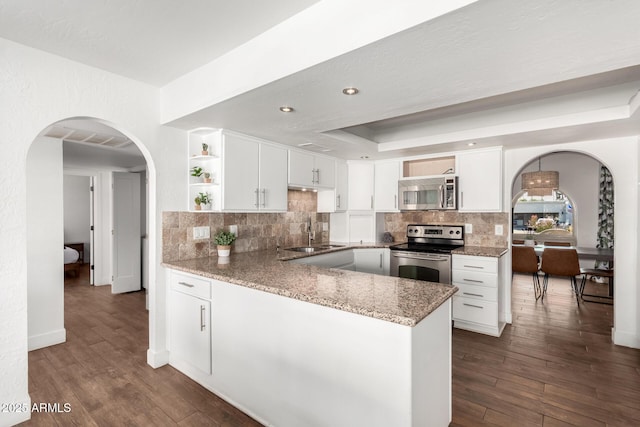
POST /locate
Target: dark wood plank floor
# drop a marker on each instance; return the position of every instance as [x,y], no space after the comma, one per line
[555,366]
[101,370]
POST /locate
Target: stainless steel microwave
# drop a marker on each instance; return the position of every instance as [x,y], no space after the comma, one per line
[439,193]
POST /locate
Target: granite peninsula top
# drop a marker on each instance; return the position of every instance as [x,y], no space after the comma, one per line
[402,301]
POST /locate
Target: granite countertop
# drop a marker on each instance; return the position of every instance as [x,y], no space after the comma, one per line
[480,251]
[392,299]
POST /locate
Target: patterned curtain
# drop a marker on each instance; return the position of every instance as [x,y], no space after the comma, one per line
[605,213]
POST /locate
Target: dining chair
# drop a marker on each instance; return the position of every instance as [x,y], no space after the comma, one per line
[524,260]
[561,262]
[547,243]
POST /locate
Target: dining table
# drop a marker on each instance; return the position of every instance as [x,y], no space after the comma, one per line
[584,253]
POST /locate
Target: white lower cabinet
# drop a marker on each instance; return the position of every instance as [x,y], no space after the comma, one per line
[476,305]
[372,260]
[190,321]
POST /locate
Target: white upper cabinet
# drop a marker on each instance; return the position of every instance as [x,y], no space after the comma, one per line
[480,180]
[342,187]
[361,186]
[386,186]
[255,175]
[309,171]
[335,199]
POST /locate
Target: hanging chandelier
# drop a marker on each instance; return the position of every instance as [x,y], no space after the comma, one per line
[540,183]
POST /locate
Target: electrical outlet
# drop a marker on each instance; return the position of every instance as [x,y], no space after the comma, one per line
[233,229]
[200,233]
[499,230]
[468,228]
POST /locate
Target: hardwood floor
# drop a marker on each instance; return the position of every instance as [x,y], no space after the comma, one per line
[555,366]
[101,370]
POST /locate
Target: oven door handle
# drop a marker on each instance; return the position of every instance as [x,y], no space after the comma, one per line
[423,257]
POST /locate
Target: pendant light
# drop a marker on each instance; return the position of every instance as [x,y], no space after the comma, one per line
[540,183]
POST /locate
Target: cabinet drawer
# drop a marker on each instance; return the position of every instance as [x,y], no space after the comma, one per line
[475,310]
[475,263]
[484,293]
[191,285]
[466,277]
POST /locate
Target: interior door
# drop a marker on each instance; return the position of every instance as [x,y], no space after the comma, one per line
[92,226]
[126,233]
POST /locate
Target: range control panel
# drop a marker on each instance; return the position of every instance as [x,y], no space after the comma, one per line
[436,231]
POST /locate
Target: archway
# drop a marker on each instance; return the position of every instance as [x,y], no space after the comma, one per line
[579,171]
[45,236]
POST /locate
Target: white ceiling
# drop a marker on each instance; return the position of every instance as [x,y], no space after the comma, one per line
[496,72]
[153,41]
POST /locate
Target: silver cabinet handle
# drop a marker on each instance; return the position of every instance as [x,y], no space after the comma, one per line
[462,199]
[395,201]
[202,316]
[318,176]
[257,203]
[473,295]
[264,197]
[474,266]
[441,191]
[472,305]
[338,201]
[188,285]
[473,281]
[380,260]
[371,202]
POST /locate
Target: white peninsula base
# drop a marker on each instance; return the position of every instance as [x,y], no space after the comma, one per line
[287,362]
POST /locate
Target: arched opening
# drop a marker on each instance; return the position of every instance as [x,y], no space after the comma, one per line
[101,149]
[574,215]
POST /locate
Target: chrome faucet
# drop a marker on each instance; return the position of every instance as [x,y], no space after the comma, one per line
[310,231]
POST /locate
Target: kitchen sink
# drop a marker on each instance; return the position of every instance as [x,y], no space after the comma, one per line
[314,248]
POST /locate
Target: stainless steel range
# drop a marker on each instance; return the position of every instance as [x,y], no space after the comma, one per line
[427,253]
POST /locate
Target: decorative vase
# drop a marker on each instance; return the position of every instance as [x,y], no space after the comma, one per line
[207,180]
[197,207]
[224,250]
[205,153]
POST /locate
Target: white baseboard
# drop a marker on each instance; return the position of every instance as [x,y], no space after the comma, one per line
[625,339]
[48,339]
[155,359]
[18,416]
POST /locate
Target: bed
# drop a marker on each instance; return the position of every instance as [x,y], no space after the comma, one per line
[73,257]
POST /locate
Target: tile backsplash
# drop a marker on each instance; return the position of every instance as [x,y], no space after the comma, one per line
[256,231]
[483,225]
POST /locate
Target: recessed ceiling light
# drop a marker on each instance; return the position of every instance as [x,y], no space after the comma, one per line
[286,109]
[350,90]
[364,157]
[305,144]
[471,144]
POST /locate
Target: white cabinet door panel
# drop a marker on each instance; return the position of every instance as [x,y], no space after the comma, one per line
[273,178]
[240,179]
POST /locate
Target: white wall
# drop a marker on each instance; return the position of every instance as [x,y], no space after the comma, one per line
[38,90]
[621,156]
[579,179]
[45,276]
[76,211]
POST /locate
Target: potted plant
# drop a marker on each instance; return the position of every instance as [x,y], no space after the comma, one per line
[205,149]
[198,202]
[207,177]
[196,171]
[224,239]
[205,199]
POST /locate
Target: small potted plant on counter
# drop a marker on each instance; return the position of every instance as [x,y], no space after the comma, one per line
[205,149]
[198,203]
[202,199]
[207,178]
[224,239]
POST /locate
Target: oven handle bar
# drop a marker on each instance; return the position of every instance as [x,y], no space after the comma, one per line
[413,255]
